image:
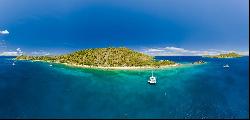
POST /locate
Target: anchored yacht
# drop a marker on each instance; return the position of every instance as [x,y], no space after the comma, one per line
[152,79]
[226,66]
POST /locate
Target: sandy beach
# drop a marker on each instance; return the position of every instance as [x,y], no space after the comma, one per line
[112,68]
[121,68]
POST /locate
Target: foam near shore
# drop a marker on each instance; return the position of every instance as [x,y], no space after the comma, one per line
[113,68]
[122,68]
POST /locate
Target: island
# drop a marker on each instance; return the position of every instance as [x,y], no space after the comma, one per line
[199,62]
[106,58]
[228,55]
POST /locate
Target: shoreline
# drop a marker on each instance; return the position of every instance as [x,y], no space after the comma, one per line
[112,68]
[121,68]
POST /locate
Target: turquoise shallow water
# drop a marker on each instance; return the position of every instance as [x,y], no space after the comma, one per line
[36,90]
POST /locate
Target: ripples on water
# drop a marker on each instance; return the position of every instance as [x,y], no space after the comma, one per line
[37,90]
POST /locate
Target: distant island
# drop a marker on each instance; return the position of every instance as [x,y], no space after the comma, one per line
[110,58]
[199,62]
[228,55]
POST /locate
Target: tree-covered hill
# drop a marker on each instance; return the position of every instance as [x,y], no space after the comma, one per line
[104,57]
[228,55]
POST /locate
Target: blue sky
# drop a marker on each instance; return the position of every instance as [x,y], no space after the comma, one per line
[155,27]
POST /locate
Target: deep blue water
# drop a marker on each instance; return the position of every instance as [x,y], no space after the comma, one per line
[36,90]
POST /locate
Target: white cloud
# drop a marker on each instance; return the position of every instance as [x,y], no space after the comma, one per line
[12,53]
[174,51]
[19,51]
[9,54]
[40,52]
[155,50]
[5,32]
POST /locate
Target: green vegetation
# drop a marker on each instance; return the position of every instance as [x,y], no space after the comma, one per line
[103,57]
[228,55]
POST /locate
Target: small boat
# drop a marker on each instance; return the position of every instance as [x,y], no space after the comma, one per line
[13,64]
[152,79]
[50,65]
[226,66]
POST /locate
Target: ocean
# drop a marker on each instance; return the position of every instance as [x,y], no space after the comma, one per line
[38,90]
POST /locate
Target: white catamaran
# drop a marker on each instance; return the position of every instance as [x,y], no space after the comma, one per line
[226,66]
[152,79]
